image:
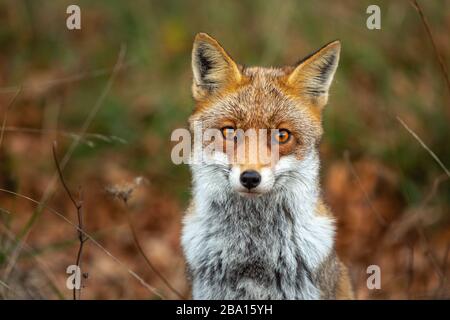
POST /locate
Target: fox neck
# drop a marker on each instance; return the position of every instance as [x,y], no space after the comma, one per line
[291,206]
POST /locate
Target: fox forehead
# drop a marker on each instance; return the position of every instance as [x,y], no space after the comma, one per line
[261,101]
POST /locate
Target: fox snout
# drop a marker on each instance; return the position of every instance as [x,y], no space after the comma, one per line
[251,181]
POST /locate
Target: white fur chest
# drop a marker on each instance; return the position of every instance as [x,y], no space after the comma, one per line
[266,256]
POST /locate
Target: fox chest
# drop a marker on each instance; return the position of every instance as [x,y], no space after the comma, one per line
[246,259]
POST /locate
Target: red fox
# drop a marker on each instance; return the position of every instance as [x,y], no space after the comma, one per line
[259,230]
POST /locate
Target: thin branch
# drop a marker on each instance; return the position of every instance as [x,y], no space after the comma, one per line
[429,252]
[76,204]
[70,134]
[378,216]
[124,193]
[434,188]
[416,5]
[435,157]
[8,108]
[5,285]
[410,270]
[441,286]
[41,264]
[67,79]
[92,239]
[79,208]
[147,260]
[23,235]
[409,222]
[97,106]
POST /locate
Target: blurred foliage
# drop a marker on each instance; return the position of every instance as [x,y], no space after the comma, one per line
[382,74]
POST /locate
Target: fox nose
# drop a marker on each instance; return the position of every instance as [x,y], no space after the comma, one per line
[250,179]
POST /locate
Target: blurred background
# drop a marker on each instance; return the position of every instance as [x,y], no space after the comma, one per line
[125,79]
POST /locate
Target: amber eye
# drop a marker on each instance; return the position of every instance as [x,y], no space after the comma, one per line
[282,136]
[228,133]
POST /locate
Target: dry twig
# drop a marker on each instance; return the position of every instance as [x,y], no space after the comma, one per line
[124,193]
[40,263]
[50,188]
[433,43]
[410,269]
[88,138]
[78,204]
[435,157]
[10,105]
[377,215]
[91,238]
[65,80]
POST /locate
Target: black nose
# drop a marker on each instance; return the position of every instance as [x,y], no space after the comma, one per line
[250,179]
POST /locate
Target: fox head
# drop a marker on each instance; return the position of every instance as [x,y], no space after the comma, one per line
[282,105]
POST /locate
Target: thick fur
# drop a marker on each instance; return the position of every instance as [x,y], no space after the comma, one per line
[279,244]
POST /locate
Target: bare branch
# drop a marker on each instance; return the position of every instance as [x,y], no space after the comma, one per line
[79,208]
[441,286]
[91,238]
[378,216]
[23,235]
[435,157]
[147,260]
[430,252]
[41,264]
[410,270]
[10,105]
[124,193]
[76,204]
[435,48]
[65,80]
[87,137]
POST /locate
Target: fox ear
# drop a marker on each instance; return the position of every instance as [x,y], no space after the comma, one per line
[212,67]
[313,75]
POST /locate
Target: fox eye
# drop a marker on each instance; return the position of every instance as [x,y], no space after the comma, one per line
[282,136]
[229,133]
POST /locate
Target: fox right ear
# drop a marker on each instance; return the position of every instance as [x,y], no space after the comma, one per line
[212,67]
[313,75]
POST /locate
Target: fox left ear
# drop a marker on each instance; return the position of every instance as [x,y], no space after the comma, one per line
[212,67]
[313,75]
